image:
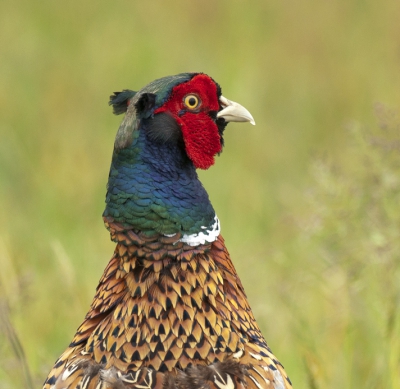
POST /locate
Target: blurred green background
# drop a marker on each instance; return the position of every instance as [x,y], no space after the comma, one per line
[308,199]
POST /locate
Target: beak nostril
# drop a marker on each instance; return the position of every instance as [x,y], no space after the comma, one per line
[224,101]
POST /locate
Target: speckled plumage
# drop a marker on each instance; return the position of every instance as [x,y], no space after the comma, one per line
[168,313]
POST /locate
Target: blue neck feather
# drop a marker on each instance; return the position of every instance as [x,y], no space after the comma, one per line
[154,187]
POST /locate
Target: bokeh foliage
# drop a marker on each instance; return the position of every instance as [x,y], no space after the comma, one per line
[308,199]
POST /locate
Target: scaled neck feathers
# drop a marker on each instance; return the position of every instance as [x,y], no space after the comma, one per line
[154,188]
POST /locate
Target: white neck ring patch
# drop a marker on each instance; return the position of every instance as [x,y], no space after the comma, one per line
[208,235]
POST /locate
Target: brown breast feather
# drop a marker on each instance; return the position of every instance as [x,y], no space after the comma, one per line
[168,316]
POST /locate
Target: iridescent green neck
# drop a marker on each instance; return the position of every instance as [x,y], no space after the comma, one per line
[154,188]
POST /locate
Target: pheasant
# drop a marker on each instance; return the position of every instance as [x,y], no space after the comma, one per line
[170,311]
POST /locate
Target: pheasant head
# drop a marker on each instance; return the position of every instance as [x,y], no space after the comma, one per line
[186,110]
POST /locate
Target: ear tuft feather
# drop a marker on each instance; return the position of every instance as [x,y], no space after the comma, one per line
[120,100]
[145,104]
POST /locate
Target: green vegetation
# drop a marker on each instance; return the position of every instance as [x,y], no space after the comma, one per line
[308,199]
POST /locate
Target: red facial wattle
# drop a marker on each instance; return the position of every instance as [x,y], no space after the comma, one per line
[200,132]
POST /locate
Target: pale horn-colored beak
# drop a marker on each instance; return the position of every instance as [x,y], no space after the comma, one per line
[234,112]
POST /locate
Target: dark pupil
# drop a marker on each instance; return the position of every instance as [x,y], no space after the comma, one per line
[192,101]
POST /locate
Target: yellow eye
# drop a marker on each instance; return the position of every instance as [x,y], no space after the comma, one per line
[192,101]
